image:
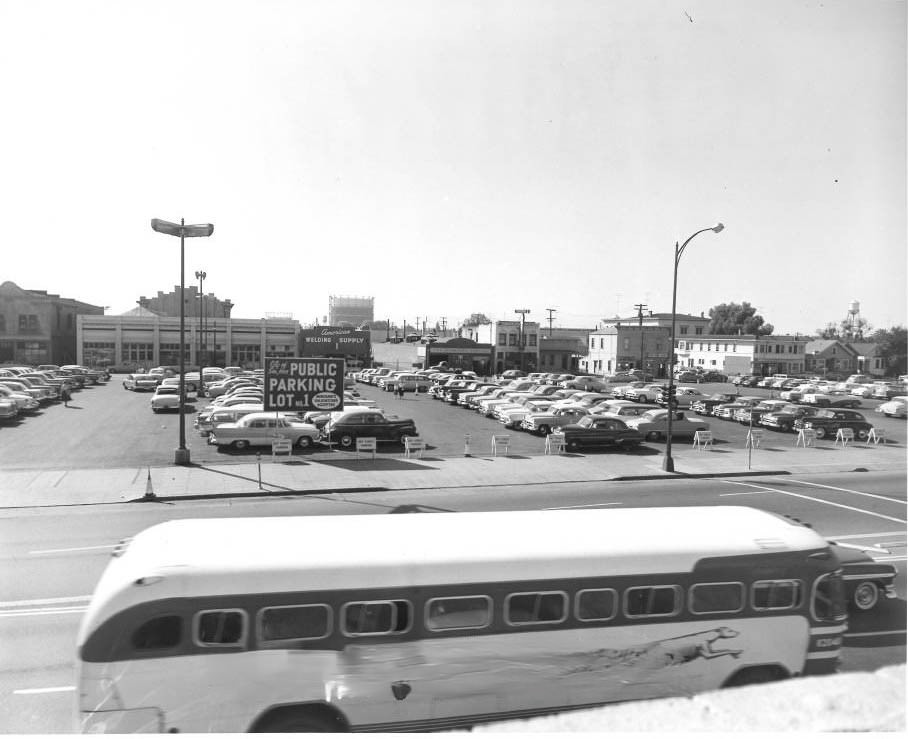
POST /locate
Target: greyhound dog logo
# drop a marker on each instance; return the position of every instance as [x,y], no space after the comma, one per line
[676,650]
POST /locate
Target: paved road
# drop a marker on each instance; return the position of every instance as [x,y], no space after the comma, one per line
[50,558]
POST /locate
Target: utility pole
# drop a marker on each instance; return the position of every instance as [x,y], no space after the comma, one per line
[551,311]
[523,315]
[640,307]
[443,325]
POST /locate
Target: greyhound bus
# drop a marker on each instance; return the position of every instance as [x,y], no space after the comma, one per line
[446,620]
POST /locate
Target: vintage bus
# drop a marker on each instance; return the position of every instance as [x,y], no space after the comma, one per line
[443,620]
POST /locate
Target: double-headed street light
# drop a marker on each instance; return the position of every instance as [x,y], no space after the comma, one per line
[181,455]
[669,464]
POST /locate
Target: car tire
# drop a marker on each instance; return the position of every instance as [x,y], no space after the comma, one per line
[240,444]
[866,595]
[820,432]
[544,430]
[653,436]
[785,427]
[861,434]
[573,445]
[347,441]
[304,442]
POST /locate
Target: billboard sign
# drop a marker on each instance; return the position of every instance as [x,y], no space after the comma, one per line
[334,340]
[304,384]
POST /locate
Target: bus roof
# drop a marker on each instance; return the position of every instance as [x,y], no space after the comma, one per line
[200,557]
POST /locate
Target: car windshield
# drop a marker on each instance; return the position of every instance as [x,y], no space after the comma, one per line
[825,414]
[653,415]
[586,422]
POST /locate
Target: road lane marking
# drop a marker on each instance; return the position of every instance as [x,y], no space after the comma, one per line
[752,492]
[71,549]
[589,505]
[44,612]
[819,500]
[854,492]
[44,601]
[871,536]
[36,691]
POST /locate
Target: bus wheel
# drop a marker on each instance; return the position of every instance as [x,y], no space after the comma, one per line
[755,675]
[299,722]
[866,596]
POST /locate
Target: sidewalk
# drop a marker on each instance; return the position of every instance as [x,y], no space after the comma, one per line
[325,472]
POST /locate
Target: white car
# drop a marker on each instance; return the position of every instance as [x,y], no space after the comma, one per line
[260,429]
[895,408]
[167,398]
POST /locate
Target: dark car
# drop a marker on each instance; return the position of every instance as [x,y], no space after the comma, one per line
[784,418]
[346,428]
[749,381]
[713,377]
[592,431]
[688,377]
[865,578]
[704,406]
[827,422]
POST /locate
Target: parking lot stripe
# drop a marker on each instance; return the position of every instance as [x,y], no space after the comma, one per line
[854,492]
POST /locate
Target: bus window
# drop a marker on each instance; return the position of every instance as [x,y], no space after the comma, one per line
[220,628]
[535,608]
[657,600]
[373,618]
[717,597]
[163,632]
[294,622]
[462,612]
[597,605]
[829,598]
[769,595]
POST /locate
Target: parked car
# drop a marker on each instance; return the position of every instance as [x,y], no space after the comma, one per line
[543,423]
[207,419]
[783,419]
[653,425]
[828,421]
[41,395]
[823,400]
[649,393]
[349,426]
[704,406]
[260,429]
[8,409]
[895,408]
[624,409]
[597,431]
[865,578]
[167,398]
[685,397]
[139,382]
[727,410]
[595,384]
[713,376]
[24,402]
[751,415]
[887,391]
[513,417]
[687,377]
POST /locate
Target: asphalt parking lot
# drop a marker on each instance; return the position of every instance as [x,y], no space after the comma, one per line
[107,426]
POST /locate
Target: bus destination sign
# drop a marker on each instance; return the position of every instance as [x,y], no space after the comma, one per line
[304,384]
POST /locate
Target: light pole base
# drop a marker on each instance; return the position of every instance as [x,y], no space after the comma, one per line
[668,464]
[181,456]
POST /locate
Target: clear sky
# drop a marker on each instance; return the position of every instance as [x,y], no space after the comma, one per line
[450,157]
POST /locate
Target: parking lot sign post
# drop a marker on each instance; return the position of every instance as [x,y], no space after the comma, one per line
[304,384]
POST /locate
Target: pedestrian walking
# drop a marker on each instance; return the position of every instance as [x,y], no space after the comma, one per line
[64,393]
[400,390]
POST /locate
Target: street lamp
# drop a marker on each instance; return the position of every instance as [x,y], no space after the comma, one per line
[669,464]
[181,455]
[200,276]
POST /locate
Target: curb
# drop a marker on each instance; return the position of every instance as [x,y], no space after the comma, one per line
[256,494]
[698,475]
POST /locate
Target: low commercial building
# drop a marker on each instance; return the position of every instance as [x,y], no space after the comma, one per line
[142,339]
[458,353]
[744,354]
[515,343]
[37,327]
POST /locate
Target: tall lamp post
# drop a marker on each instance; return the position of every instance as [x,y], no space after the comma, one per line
[181,455]
[669,464]
[200,276]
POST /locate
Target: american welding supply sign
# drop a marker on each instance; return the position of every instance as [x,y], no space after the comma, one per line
[304,384]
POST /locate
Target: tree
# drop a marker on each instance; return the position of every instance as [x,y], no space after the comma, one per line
[845,330]
[476,319]
[892,345]
[734,318]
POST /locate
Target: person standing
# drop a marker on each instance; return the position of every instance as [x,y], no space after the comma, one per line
[64,393]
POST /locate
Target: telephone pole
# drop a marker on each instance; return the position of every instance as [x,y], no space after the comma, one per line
[523,315]
[551,311]
[640,307]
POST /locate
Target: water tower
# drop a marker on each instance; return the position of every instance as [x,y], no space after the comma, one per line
[853,319]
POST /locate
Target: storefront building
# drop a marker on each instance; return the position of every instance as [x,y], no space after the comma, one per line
[352,345]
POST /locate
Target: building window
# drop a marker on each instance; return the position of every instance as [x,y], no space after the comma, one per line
[683,330]
[2,324]
[593,343]
[136,352]
[602,343]
[627,343]
[532,338]
[512,339]
[28,323]
[502,339]
[699,330]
